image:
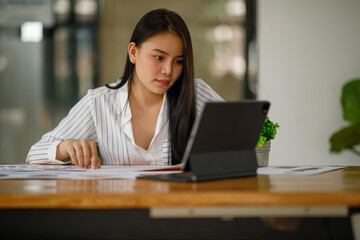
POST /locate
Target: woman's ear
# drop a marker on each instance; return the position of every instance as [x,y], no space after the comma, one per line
[132,52]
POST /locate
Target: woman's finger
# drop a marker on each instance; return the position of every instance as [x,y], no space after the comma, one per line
[95,161]
[72,154]
[79,154]
[86,148]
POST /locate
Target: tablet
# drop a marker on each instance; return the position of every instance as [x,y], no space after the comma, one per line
[222,142]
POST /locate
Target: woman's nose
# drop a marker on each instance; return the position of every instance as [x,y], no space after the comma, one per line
[167,68]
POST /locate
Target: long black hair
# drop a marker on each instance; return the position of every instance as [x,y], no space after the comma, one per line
[181,98]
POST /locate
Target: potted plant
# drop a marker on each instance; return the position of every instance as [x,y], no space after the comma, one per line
[349,136]
[263,145]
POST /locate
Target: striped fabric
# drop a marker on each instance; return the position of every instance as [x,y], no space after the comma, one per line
[104,116]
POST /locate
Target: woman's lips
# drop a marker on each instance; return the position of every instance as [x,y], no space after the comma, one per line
[163,82]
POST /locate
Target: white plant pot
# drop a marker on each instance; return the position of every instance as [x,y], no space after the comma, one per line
[262,154]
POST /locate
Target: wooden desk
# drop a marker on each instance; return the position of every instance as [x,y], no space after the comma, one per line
[108,204]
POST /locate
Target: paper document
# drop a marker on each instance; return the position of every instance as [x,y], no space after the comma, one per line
[309,170]
[125,172]
[74,172]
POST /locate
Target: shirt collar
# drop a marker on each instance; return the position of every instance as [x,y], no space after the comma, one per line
[163,115]
[124,109]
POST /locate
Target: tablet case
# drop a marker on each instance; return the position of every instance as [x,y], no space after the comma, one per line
[222,142]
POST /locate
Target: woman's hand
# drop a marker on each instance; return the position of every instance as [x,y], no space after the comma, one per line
[81,152]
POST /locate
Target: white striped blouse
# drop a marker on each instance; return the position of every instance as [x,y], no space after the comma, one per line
[103,115]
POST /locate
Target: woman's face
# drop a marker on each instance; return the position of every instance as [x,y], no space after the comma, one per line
[158,62]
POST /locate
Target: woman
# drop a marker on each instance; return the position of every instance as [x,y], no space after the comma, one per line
[144,118]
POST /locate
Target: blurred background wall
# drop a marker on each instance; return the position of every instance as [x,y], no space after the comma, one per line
[307,51]
[52,52]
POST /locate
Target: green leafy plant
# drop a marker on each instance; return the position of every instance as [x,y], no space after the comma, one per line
[268,132]
[349,136]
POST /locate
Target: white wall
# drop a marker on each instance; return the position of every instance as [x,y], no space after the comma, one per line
[307,50]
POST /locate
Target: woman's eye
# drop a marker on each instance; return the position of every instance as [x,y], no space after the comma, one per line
[159,57]
[179,61]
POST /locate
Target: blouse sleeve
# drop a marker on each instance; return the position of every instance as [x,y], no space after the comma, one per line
[78,124]
[203,94]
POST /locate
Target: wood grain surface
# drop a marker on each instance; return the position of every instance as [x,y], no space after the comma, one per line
[335,188]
